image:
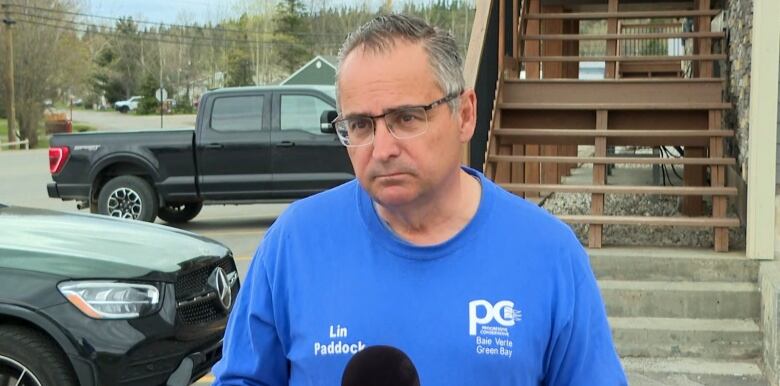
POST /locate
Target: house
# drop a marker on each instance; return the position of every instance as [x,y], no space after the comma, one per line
[320,70]
[687,267]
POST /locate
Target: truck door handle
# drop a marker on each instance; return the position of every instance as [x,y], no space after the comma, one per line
[214,146]
[285,144]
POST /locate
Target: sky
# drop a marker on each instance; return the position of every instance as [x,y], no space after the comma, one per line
[178,11]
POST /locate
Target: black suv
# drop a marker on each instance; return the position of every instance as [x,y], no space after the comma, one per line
[93,300]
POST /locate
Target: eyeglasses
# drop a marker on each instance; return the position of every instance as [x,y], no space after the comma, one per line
[403,123]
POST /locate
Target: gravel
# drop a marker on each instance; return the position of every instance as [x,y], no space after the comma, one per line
[642,205]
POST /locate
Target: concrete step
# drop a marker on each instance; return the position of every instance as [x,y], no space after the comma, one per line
[692,372]
[694,338]
[670,299]
[672,264]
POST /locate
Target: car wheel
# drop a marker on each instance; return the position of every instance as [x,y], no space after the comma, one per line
[29,358]
[124,109]
[128,197]
[179,213]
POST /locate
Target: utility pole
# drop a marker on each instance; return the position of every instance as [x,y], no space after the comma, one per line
[9,73]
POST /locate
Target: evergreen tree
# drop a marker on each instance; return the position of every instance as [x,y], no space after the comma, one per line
[239,68]
[291,34]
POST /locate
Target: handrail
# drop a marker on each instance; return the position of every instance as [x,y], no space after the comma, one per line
[711,57]
[492,127]
[477,41]
[621,15]
[501,32]
[522,23]
[709,35]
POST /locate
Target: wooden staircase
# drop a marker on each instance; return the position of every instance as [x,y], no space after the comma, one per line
[540,120]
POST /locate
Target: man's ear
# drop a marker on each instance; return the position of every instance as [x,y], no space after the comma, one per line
[467,115]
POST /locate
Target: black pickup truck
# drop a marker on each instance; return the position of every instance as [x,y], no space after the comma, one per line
[249,145]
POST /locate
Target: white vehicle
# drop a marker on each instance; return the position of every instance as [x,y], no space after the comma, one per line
[128,105]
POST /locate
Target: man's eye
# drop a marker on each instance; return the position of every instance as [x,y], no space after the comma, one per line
[406,118]
[359,124]
[410,116]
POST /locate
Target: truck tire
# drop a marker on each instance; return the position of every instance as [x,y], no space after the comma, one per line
[179,212]
[33,356]
[128,197]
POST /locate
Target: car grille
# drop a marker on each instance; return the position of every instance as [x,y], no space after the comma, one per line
[192,291]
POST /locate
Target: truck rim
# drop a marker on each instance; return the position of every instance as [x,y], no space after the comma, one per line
[125,203]
[19,374]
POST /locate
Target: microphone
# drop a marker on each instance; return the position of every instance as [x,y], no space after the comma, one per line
[380,366]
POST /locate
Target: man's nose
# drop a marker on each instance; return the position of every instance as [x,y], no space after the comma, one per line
[385,144]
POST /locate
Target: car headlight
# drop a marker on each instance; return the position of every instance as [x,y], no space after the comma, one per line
[111,299]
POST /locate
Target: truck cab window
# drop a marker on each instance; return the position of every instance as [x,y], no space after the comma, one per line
[302,112]
[237,113]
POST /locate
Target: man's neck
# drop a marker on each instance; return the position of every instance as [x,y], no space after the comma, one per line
[435,220]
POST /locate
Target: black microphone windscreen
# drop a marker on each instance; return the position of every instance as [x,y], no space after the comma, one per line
[380,366]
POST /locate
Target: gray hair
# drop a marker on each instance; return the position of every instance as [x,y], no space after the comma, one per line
[381,33]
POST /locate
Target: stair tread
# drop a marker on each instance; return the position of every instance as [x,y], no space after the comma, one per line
[626,189]
[652,220]
[518,131]
[616,106]
[674,253]
[684,324]
[692,366]
[620,80]
[708,286]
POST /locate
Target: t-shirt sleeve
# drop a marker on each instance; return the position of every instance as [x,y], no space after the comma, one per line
[582,350]
[252,353]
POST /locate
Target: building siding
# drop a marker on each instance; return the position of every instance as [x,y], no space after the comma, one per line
[777,155]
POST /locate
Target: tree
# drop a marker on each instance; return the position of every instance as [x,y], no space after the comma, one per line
[239,68]
[290,35]
[149,103]
[128,56]
[239,58]
[43,60]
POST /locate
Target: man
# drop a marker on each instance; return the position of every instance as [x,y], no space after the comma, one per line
[476,285]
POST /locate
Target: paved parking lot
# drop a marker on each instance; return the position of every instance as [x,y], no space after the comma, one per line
[23,179]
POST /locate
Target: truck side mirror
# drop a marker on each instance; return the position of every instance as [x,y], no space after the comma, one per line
[326,119]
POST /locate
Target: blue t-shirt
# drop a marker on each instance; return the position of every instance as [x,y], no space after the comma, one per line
[509,300]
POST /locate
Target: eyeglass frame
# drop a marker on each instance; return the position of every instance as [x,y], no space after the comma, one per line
[426,108]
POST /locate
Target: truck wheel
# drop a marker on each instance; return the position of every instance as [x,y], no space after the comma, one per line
[128,197]
[29,358]
[179,213]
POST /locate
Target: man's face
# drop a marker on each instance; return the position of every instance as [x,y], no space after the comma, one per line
[399,172]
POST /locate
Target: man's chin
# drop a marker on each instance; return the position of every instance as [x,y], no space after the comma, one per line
[392,196]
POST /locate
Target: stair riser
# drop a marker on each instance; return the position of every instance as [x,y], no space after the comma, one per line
[673,269]
[637,378]
[682,303]
[692,344]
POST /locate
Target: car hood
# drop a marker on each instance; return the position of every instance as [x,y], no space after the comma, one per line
[92,246]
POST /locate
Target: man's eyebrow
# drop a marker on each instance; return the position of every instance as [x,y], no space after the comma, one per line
[384,111]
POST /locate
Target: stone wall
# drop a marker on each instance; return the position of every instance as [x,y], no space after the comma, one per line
[738,20]
[769,283]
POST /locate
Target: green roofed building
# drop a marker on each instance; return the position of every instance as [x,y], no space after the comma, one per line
[319,71]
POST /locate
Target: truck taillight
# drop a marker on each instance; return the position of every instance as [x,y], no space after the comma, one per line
[58,156]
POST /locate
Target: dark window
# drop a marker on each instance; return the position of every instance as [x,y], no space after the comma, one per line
[302,112]
[237,113]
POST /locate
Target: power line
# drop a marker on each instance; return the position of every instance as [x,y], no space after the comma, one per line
[157,40]
[103,29]
[179,26]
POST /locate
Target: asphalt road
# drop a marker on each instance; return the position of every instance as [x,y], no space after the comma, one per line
[23,179]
